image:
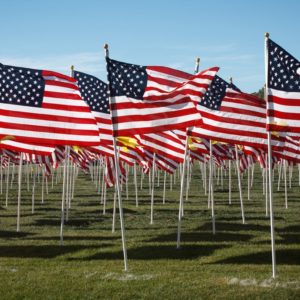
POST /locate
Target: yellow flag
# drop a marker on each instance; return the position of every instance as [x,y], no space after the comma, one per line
[127,141]
[76,148]
[7,138]
[191,144]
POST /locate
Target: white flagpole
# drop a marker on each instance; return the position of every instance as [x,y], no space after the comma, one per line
[114,211]
[43,183]
[135,185]
[152,189]
[7,183]
[181,194]
[270,162]
[117,167]
[229,181]
[285,183]
[266,192]
[180,212]
[1,173]
[240,184]
[19,191]
[249,177]
[33,190]
[62,220]
[164,190]
[211,189]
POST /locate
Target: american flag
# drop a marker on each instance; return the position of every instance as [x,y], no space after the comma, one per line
[110,174]
[166,144]
[231,116]
[95,92]
[27,148]
[283,90]
[152,99]
[44,107]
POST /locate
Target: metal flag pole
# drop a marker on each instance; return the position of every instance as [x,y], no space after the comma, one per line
[240,183]
[62,220]
[181,194]
[7,183]
[117,169]
[270,162]
[211,189]
[135,185]
[19,191]
[152,189]
[239,177]
[183,177]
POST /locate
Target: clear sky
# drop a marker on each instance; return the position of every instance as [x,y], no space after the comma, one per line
[55,34]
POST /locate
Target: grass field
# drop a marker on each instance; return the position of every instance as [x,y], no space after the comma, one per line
[233,264]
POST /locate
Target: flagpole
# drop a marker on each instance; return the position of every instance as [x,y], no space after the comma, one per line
[152,188]
[117,169]
[62,220]
[270,162]
[229,181]
[181,194]
[240,183]
[211,189]
[7,183]
[1,174]
[180,215]
[19,191]
[164,190]
[135,185]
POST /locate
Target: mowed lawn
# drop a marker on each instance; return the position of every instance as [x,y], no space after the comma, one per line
[233,264]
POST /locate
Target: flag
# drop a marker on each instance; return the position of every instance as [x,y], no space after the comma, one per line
[95,93]
[153,99]
[283,90]
[44,107]
[231,116]
[27,148]
[166,144]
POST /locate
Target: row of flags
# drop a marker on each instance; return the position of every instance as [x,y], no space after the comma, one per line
[150,109]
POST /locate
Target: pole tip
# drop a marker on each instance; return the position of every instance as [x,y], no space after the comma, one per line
[230,80]
[198,60]
[105,46]
[72,68]
[267,35]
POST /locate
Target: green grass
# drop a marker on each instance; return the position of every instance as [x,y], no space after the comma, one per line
[233,264]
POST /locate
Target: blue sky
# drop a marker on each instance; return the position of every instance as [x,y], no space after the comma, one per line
[230,34]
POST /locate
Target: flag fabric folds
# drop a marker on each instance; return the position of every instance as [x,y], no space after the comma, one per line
[152,99]
[283,90]
[231,116]
[44,107]
[95,93]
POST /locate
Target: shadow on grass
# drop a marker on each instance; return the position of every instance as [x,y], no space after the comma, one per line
[44,251]
[285,257]
[72,222]
[157,252]
[13,234]
[249,218]
[77,238]
[204,237]
[224,226]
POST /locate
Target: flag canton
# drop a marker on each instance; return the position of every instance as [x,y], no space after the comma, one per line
[126,79]
[94,92]
[21,86]
[284,69]
[214,95]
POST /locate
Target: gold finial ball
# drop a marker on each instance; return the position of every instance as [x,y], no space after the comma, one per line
[267,34]
[72,68]
[105,46]
[198,60]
